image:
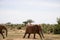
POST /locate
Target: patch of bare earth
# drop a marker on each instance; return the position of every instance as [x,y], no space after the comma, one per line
[18,35]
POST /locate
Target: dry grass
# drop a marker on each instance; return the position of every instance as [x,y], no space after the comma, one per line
[18,35]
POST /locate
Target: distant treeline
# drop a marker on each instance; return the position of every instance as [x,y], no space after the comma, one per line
[47,28]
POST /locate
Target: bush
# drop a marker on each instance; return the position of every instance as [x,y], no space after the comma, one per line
[47,28]
[19,28]
[57,29]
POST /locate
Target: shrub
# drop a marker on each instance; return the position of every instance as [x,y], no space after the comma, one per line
[57,29]
[19,28]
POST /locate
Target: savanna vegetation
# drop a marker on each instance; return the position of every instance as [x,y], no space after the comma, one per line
[47,28]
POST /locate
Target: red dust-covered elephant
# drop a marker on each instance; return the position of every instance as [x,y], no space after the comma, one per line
[33,29]
[1,30]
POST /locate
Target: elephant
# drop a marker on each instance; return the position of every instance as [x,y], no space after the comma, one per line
[33,29]
[2,27]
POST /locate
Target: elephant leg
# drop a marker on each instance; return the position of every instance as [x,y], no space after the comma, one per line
[34,35]
[24,35]
[40,35]
[2,35]
[29,35]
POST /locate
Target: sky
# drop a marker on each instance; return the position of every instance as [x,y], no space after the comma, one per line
[40,11]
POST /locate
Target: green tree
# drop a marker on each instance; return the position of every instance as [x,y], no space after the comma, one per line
[57,27]
[8,23]
[58,21]
[44,27]
[47,28]
[25,22]
[30,21]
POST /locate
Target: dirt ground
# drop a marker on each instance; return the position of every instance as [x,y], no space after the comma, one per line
[18,35]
